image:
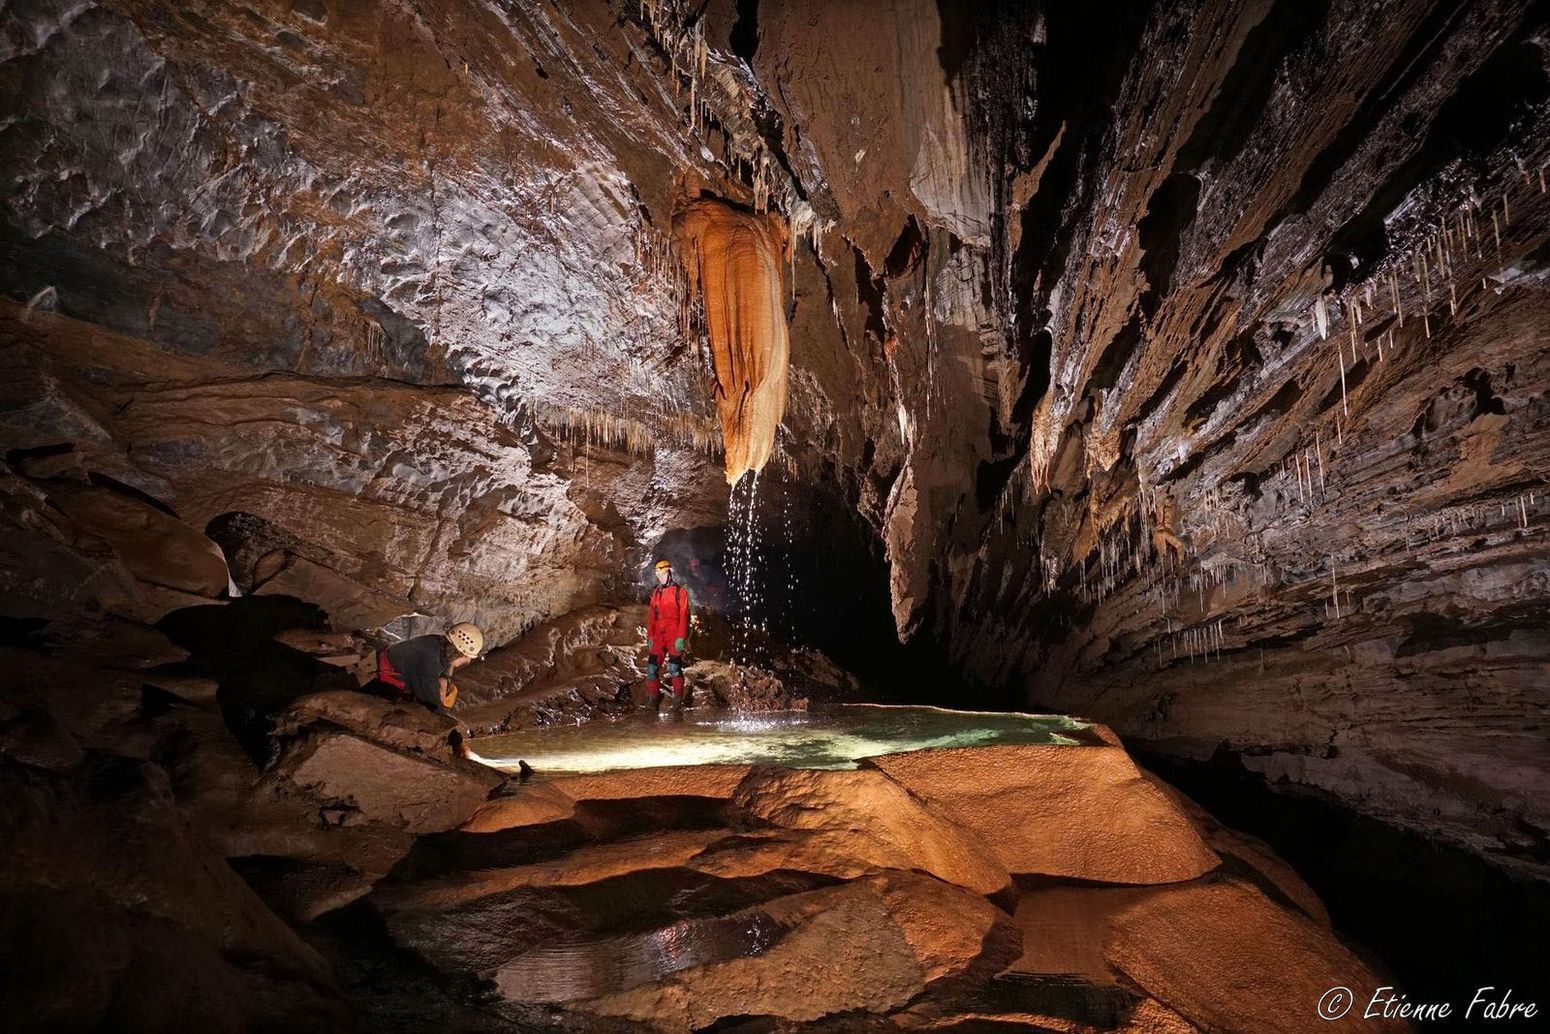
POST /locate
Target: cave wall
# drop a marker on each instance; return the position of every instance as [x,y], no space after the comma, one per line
[1282,492]
[1186,361]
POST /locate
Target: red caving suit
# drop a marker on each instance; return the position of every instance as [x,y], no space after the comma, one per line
[667,625]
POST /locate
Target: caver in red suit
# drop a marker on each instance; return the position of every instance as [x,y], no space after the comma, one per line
[667,634]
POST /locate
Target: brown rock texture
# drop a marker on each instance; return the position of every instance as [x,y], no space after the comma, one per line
[829,897]
[1201,393]
[868,805]
[118,915]
[1096,816]
[368,760]
[1279,964]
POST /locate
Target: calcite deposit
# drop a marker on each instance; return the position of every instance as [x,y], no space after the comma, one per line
[735,263]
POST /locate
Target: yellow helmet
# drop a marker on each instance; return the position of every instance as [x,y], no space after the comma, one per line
[467,638]
[663,565]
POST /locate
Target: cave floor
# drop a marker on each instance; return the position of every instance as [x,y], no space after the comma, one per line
[1009,885]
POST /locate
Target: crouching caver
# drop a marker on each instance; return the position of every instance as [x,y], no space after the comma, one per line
[422,667]
[667,635]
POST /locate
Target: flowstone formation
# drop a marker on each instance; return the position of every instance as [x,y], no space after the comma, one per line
[733,262]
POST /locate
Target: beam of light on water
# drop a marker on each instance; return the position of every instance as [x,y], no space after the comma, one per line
[835,737]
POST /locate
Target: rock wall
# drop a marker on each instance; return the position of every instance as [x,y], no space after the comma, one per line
[1279,490]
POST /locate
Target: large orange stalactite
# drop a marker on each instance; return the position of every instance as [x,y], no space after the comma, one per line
[735,262]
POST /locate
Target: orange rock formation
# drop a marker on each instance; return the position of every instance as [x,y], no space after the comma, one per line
[734,261]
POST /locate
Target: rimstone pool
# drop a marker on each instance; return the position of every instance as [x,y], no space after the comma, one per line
[835,737]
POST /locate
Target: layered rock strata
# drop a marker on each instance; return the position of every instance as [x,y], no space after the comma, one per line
[679,898]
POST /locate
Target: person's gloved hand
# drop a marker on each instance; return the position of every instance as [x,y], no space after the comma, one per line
[678,645]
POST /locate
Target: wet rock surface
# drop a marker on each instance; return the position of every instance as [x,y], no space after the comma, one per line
[1100,818]
[808,896]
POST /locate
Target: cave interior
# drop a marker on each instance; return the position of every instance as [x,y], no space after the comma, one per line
[1182,368]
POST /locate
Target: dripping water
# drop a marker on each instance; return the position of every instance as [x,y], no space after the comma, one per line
[743,565]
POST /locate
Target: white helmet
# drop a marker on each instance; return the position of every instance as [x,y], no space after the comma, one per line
[467,638]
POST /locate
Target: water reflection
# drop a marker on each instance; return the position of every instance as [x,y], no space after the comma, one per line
[833,737]
[586,969]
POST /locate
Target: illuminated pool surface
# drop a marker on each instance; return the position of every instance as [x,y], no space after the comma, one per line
[833,737]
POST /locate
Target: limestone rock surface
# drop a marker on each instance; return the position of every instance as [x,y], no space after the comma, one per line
[1094,815]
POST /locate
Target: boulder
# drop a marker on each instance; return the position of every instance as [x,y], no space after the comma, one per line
[714,781]
[299,889]
[341,649]
[530,805]
[36,737]
[154,545]
[843,954]
[1228,958]
[273,832]
[355,781]
[589,864]
[881,820]
[1084,812]
[1249,857]
[739,688]
[96,706]
[364,760]
[1065,928]
[43,573]
[191,689]
[110,642]
[866,946]
[349,604]
[585,642]
[404,726]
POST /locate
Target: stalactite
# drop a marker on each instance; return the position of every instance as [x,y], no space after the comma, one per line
[734,262]
[1343,406]
[638,434]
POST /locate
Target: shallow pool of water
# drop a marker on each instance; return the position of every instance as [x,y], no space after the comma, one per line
[832,737]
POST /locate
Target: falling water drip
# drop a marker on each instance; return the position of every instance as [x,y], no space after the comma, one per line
[743,554]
